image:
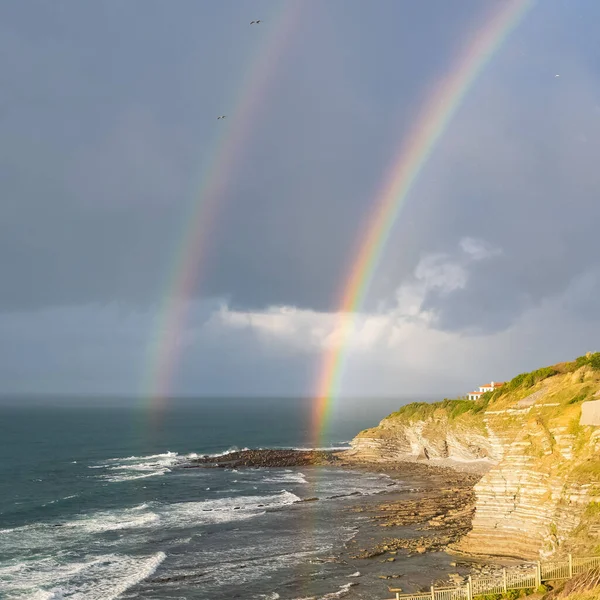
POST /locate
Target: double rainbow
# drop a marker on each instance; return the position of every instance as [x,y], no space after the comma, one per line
[189,255]
[406,167]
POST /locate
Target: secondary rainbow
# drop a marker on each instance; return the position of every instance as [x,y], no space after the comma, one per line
[189,255]
[408,164]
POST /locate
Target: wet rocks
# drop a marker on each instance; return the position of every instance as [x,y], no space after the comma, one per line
[445,512]
[267,458]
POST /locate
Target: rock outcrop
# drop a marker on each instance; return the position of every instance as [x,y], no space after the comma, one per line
[542,467]
[525,508]
[435,439]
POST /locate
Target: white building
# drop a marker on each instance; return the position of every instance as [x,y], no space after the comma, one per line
[488,387]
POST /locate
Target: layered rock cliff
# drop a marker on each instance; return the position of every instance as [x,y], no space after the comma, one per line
[537,496]
[432,435]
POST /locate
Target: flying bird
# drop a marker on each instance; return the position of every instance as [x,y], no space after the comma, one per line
[221,117]
[255,22]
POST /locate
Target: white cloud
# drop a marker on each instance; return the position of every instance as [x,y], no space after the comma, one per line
[309,331]
[478,249]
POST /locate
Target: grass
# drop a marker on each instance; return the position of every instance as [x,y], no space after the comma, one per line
[528,380]
[593,510]
[589,595]
[587,471]
[573,393]
[421,411]
[509,595]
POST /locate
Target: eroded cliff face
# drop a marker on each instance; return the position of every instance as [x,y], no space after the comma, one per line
[526,505]
[541,465]
[462,444]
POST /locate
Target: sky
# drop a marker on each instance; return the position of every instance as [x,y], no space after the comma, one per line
[109,140]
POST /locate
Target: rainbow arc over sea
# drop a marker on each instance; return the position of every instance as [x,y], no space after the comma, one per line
[198,224]
[406,167]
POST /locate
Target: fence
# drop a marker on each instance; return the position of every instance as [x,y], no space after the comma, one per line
[509,579]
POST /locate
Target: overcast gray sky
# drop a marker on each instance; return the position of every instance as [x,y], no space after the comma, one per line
[107,132]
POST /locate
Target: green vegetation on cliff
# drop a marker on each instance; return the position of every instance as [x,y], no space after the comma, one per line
[544,466]
[421,411]
[516,389]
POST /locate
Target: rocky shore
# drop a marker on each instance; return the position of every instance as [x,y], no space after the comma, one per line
[270,458]
[537,454]
[445,514]
[426,509]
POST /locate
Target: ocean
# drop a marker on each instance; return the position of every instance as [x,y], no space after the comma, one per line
[93,505]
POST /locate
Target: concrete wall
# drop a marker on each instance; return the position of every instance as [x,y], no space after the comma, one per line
[590,413]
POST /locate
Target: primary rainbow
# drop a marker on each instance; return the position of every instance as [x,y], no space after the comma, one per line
[413,156]
[165,346]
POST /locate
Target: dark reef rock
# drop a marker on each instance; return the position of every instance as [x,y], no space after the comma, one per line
[267,458]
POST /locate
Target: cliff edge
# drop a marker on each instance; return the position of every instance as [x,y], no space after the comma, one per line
[540,490]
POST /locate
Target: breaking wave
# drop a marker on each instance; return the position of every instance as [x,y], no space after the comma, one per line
[141,518]
[102,577]
[130,468]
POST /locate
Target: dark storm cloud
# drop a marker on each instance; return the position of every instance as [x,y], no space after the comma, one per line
[108,120]
[516,168]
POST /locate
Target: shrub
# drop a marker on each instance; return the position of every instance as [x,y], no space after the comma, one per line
[594,360]
[593,509]
[587,471]
[527,380]
[591,359]
[425,410]
[544,373]
[579,397]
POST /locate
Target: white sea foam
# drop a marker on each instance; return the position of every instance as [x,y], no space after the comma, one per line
[102,577]
[107,521]
[285,477]
[131,468]
[226,452]
[60,499]
[343,591]
[345,446]
[167,454]
[131,477]
[224,510]
[141,519]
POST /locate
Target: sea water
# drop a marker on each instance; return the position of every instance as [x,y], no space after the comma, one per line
[94,504]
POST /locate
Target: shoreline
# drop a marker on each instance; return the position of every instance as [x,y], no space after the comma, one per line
[403,535]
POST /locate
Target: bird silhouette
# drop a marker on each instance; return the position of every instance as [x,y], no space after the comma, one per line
[255,22]
[221,117]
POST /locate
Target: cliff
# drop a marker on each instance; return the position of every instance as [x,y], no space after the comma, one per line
[542,469]
[449,433]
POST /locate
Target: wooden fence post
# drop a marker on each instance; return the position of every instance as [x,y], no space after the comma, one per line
[538,574]
[432,593]
[504,580]
[470,588]
[570,566]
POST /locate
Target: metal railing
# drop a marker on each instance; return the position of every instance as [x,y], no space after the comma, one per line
[509,579]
